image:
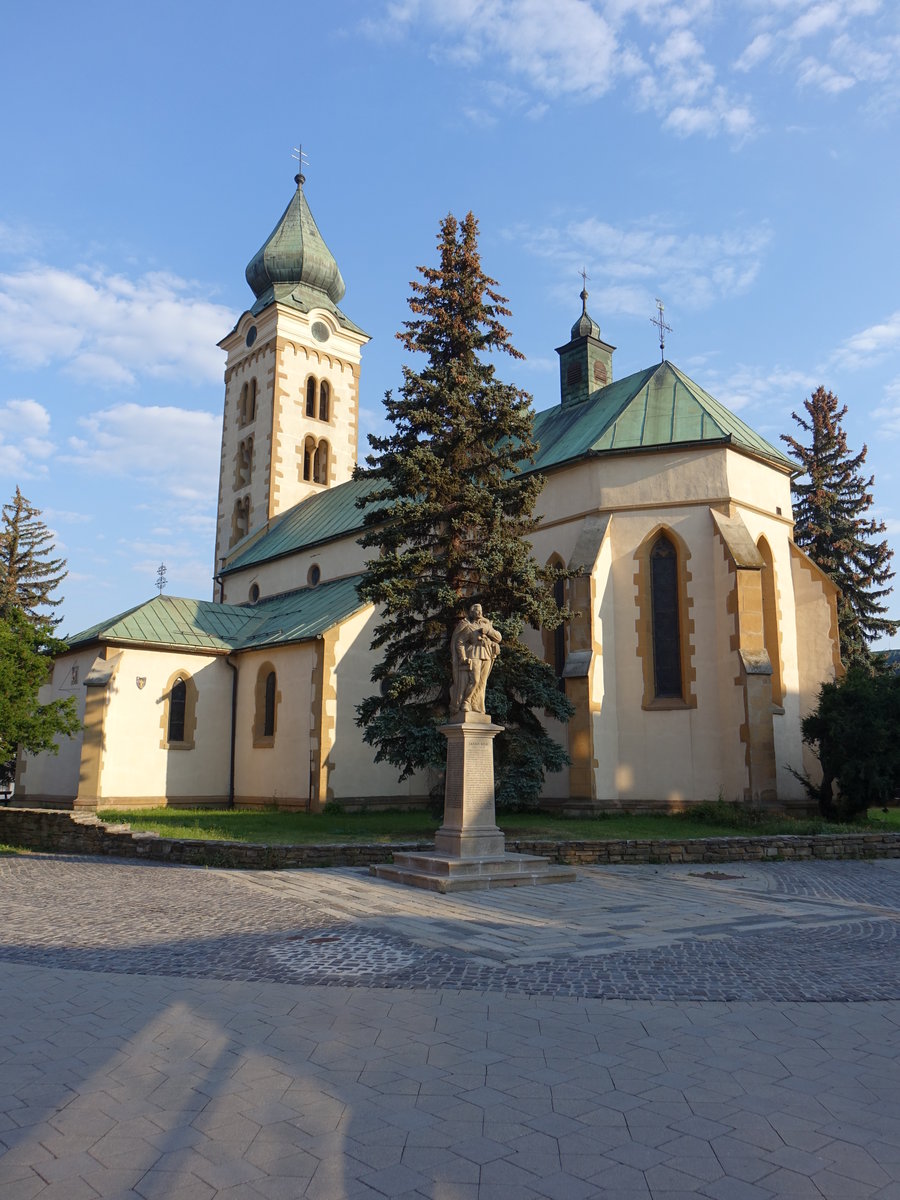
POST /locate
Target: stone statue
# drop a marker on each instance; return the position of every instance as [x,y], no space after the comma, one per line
[473,648]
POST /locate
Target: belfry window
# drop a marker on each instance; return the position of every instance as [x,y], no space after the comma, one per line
[324,400]
[665,618]
[320,463]
[310,397]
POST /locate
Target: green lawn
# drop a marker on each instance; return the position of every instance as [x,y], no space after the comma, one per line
[270,827]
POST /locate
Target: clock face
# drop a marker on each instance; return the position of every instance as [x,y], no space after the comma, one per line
[320,331]
[251,335]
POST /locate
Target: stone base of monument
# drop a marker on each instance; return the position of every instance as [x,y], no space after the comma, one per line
[448,873]
[469,848]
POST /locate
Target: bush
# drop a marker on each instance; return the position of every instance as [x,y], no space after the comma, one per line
[854,734]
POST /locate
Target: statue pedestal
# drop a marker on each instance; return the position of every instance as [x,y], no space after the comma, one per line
[469,829]
[469,848]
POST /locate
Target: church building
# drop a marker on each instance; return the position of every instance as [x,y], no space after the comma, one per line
[701,637]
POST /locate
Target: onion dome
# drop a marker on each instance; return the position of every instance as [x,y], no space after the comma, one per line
[585,326]
[295,256]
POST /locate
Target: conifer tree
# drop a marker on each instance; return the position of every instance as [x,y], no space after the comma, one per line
[831,501]
[27,648]
[449,509]
[28,575]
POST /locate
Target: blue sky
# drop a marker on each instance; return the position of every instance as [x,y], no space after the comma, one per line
[737,159]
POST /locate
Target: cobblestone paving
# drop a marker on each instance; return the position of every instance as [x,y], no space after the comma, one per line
[166,1035]
[758,932]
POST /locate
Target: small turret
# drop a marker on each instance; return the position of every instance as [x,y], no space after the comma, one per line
[585,362]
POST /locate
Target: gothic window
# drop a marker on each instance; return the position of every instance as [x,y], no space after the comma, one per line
[265,719]
[310,397]
[665,618]
[179,715]
[324,401]
[242,405]
[251,401]
[177,698]
[559,635]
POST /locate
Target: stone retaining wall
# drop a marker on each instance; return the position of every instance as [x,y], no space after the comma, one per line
[75,833]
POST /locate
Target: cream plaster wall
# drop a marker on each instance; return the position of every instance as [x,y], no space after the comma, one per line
[606,714]
[789,749]
[135,763]
[354,771]
[49,776]
[335,561]
[279,773]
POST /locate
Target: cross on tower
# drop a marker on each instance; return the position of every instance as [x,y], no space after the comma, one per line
[660,322]
[302,161]
[584,292]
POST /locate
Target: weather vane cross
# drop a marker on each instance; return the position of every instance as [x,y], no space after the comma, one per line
[660,322]
[302,160]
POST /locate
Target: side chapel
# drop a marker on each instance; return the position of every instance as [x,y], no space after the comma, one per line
[703,632]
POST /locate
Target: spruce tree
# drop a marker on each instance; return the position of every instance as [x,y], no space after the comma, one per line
[28,575]
[831,501]
[27,648]
[450,509]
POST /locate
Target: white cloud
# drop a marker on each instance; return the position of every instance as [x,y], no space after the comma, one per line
[24,444]
[110,329]
[812,73]
[641,261]
[661,54]
[173,450]
[871,344]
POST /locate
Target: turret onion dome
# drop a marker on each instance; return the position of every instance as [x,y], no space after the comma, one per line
[585,326]
[295,256]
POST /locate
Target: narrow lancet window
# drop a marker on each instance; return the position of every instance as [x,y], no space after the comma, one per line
[665,618]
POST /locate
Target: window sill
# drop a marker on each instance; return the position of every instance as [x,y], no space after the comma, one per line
[668,704]
[263,743]
[177,745]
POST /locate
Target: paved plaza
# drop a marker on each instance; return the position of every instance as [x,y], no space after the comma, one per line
[646,1032]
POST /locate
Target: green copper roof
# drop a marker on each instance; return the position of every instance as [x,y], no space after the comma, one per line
[203,625]
[654,408]
[322,518]
[295,253]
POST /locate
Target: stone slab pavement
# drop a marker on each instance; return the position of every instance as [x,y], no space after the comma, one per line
[646,1032]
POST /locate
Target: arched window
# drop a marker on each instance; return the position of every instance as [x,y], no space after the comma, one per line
[665,618]
[309,451]
[251,401]
[265,718]
[242,405]
[178,719]
[320,463]
[310,397]
[241,519]
[269,712]
[324,398]
[245,462]
[177,701]
[771,637]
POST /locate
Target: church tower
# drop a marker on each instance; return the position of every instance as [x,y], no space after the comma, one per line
[585,362]
[291,425]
